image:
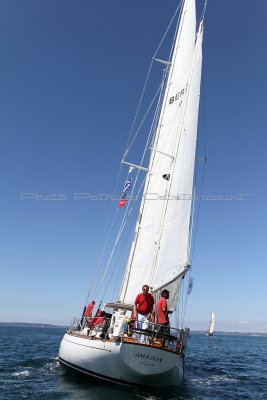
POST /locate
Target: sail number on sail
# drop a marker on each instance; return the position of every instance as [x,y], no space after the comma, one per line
[177,96]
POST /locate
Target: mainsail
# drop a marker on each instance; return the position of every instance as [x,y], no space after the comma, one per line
[159,254]
[212,323]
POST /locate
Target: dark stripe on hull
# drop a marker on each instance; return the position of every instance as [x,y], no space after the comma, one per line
[96,375]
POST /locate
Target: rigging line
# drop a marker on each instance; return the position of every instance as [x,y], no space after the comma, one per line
[151,132]
[101,252]
[147,78]
[137,111]
[111,255]
[204,169]
[178,310]
[183,304]
[204,11]
[135,205]
[100,256]
[155,122]
[119,256]
[198,212]
[126,277]
[124,218]
[113,271]
[203,176]
[138,193]
[159,89]
[194,238]
[103,248]
[109,233]
[123,224]
[111,226]
[168,28]
[191,223]
[143,120]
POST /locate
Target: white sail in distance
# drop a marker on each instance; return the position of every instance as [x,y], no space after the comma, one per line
[212,323]
[160,253]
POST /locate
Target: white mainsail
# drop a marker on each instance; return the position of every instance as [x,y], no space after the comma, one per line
[160,251]
[212,323]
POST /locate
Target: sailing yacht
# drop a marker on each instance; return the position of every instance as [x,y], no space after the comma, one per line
[160,251]
[211,325]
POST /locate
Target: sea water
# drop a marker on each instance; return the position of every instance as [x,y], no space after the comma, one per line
[218,367]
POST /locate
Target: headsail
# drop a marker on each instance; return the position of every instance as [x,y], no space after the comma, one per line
[159,255]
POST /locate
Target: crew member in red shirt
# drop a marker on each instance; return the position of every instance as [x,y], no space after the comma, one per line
[89,309]
[143,308]
[99,319]
[162,312]
[93,319]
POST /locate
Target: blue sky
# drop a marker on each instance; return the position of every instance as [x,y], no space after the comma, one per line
[71,77]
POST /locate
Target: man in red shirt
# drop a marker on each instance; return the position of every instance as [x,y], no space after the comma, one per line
[143,308]
[89,309]
[162,312]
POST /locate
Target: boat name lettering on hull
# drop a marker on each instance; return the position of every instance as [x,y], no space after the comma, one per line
[148,357]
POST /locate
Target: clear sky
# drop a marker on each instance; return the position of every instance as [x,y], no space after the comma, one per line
[71,74]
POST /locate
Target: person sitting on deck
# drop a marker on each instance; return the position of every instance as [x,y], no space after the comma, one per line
[99,319]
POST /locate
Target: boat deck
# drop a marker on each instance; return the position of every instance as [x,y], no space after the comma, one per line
[161,343]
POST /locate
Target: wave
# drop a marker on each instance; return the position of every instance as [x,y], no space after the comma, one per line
[214,378]
[22,374]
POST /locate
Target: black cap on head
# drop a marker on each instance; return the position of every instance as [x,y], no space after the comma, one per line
[165,291]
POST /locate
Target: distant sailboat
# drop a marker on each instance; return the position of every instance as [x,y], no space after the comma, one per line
[211,326]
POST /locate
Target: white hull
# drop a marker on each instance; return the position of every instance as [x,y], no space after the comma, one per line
[122,362]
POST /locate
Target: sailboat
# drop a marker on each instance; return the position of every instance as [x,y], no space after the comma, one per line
[211,326]
[159,255]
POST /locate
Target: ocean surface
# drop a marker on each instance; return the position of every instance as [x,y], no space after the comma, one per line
[219,367]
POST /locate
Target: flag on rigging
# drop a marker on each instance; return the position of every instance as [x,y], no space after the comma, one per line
[122,202]
[127,185]
[190,285]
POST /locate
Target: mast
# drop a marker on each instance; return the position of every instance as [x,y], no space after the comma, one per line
[159,255]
